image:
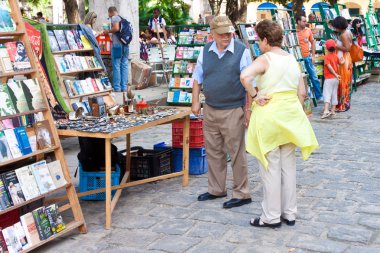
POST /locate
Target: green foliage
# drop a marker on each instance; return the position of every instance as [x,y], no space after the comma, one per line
[174,12]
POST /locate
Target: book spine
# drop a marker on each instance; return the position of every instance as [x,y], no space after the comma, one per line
[37,221]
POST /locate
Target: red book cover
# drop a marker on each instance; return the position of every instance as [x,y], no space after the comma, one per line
[18,56]
[96,88]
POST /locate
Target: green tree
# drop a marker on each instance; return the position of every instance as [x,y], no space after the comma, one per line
[175,12]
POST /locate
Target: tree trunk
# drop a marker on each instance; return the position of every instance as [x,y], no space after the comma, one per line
[215,6]
[72,11]
[236,10]
[82,11]
[332,1]
[297,7]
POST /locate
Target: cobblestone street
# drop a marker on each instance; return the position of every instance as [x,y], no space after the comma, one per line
[338,193]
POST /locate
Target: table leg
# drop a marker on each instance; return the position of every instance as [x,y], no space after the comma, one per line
[128,153]
[108,183]
[185,151]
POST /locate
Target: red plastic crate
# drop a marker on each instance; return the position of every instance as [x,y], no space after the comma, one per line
[196,134]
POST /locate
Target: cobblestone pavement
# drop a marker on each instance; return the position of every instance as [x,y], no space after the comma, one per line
[338,200]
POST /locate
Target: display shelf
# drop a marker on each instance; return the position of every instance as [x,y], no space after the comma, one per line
[22,114]
[41,196]
[185,59]
[72,51]
[69,227]
[80,71]
[191,45]
[91,94]
[249,38]
[36,153]
[15,73]
[11,33]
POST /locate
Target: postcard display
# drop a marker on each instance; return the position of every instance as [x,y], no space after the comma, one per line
[32,164]
[79,72]
[249,38]
[191,39]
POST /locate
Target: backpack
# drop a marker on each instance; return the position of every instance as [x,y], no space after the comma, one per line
[126,31]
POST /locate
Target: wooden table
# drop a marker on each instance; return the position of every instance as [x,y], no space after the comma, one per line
[182,115]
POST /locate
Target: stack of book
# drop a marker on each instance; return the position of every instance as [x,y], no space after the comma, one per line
[6,22]
[179,97]
[183,67]
[62,40]
[284,20]
[190,53]
[290,39]
[177,82]
[32,228]
[194,36]
[87,86]
[20,96]
[13,57]
[29,182]
[19,141]
[72,62]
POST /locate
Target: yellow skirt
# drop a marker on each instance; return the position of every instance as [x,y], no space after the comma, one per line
[281,121]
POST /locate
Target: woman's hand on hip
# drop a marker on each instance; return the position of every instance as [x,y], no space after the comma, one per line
[262,100]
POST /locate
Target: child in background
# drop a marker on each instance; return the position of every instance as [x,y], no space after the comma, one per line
[330,88]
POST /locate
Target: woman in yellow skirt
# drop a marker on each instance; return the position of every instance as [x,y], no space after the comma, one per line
[277,125]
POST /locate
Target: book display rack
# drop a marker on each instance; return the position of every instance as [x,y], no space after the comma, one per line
[249,38]
[372,31]
[190,41]
[79,72]
[25,176]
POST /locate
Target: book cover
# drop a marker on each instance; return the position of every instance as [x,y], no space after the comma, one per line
[32,138]
[86,88]
[42,176]
[17,95]
[3,245]
[23,140]
[86,44]
[27,182]
[5,152]
[20,234]
[44,135]
[71,40]
[106,82]
[56,173]
[6,103]
[77,38]
[42,223]
[30,229]
[92,82]
[4,197]
[55,218]
[12,143]
[33,94]
[83,62]
[5,61]
[13,186]
[68,58]
[13,244]
[18,56]
[6,23]
[77,62]
[90,62]
[99,84]
[78,87]
[53,41]
[68,86]
[61,39]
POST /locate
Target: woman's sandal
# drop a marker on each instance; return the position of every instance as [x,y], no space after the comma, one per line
[256,223]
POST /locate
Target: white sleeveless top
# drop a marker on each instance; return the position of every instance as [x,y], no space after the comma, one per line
[283,74]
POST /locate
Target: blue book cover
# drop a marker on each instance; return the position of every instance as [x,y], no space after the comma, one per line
[6,23]
[78,87]
[23,140]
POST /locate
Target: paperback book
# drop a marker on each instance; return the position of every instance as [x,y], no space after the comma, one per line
[18,96]
[27,182]
[4,197]
[20,233]
[44,135]
[42,223]
[23,141]
[5,152]
[12,141]
[71,40]
[13,186]
[10,236]
[18,56]
[56,173]
[61,39]
[30,229]
[42,176]
[55,219]
[33,94]
[6,103]
[5,61]
[53,41]
[6,22]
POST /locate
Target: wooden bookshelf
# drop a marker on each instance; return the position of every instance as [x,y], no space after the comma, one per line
[72,51]
[36,153]
[73,201]
[92,94]
[23,113]
[34,199]
[80,71]
[11,33]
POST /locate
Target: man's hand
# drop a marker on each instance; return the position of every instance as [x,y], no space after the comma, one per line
[106,32]
[196,108]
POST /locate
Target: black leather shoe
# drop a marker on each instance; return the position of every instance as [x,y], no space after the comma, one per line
[256,223]
[208,196]
[289,222]
[236,202]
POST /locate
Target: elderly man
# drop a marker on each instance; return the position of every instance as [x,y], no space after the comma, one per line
[218,73]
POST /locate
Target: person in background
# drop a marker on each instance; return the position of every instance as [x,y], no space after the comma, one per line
[357,31]
[305,38]
[343,46]
[201,21]
[171,38]
[218,69]
[158,22]
[143,47]
[330,72]
[278,124]
[119,53]
[40,17]
[89,20]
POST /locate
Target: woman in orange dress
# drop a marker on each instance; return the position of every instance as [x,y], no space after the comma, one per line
[343,46]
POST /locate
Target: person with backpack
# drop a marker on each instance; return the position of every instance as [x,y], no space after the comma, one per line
[121,37]
[159,21]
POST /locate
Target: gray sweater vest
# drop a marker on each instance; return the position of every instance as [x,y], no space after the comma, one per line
[221,84]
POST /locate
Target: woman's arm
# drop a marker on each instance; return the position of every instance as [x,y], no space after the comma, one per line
[258,67]
[301,90]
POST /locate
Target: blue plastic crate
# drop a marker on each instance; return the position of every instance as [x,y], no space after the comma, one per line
[197,160]
[96,180]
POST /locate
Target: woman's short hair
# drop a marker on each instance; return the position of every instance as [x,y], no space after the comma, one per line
[270,30]
[339,23]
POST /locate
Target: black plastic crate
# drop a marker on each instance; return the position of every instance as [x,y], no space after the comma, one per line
[146,163]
